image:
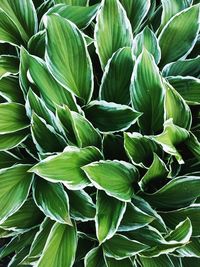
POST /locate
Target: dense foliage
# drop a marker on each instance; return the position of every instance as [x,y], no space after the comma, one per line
[99,133]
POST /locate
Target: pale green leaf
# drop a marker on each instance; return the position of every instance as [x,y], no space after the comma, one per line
[11,140]
[72,2]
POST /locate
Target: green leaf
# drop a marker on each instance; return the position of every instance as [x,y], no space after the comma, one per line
[172,218]
[7,159]
[63,55]
[188,87]
[11,140]
[190,261]
[109,214]
[82,207]
[187,67]
[60,248]
[171,8]
[9,32]
[109,116]
[177,193]
[23,14]
[36,44]
[121,247]
[66,166]
[147,93]
[115,83]
[51,91]
[134,218]
[147,39]
[10,89]
[95,258]
[45,137]
[111,262]
[72,2]
[82,16]
[170,138]
[8,65]
[162,260]
[122,176]
[17,118]
[173,48]
[193,145]
[49,197]
[114,27]
[26,217]
[136,11]
[15,184]
[192,249]
[156,172]
[134,142]
[176,108]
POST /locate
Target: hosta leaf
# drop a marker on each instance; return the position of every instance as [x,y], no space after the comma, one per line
[147,93]
[121,247]
[109,214]
[51,91]
[82,16]
[111,262]
[136,142]
[115,82]
[114,27]
[7,159]
[25,218]
[23,14]
[63,55]
[136,11]
[122,176]
[170,138]
[15,183]
[172,218]
[148,40]
[109,116]
[176,108]
[45,137]
[9,32]
[49,197]
[173,48]
[8,65]
[162,260]
[10,90]
[187,67]
[188,87]
[11,140]
[156,172]
[113,147]
[65,167]
[177,193]
[72,2]
[95,258]
[134,218]
[17,118]
[193,145]
[188,261]
[171,8]
[60,248]
[192,249]
[36,44]
[82,207]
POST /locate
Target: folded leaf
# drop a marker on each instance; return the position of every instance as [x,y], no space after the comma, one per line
[173,48]
[95,258]
[188,87]
[10,89]
[49,197]
[109,214]
[63,55]
[23,14]
[187,67]
[11,140]
[114,27]
[178,193]
[17,118]
[110,117]
[121,247]
[116,178]
[15,184]
[115,82]
[136,11]
[147,93]
[36,44]
[66,166]
[60,248]
[8,65]
[148,40]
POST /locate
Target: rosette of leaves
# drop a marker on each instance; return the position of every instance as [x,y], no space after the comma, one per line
[99,133]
